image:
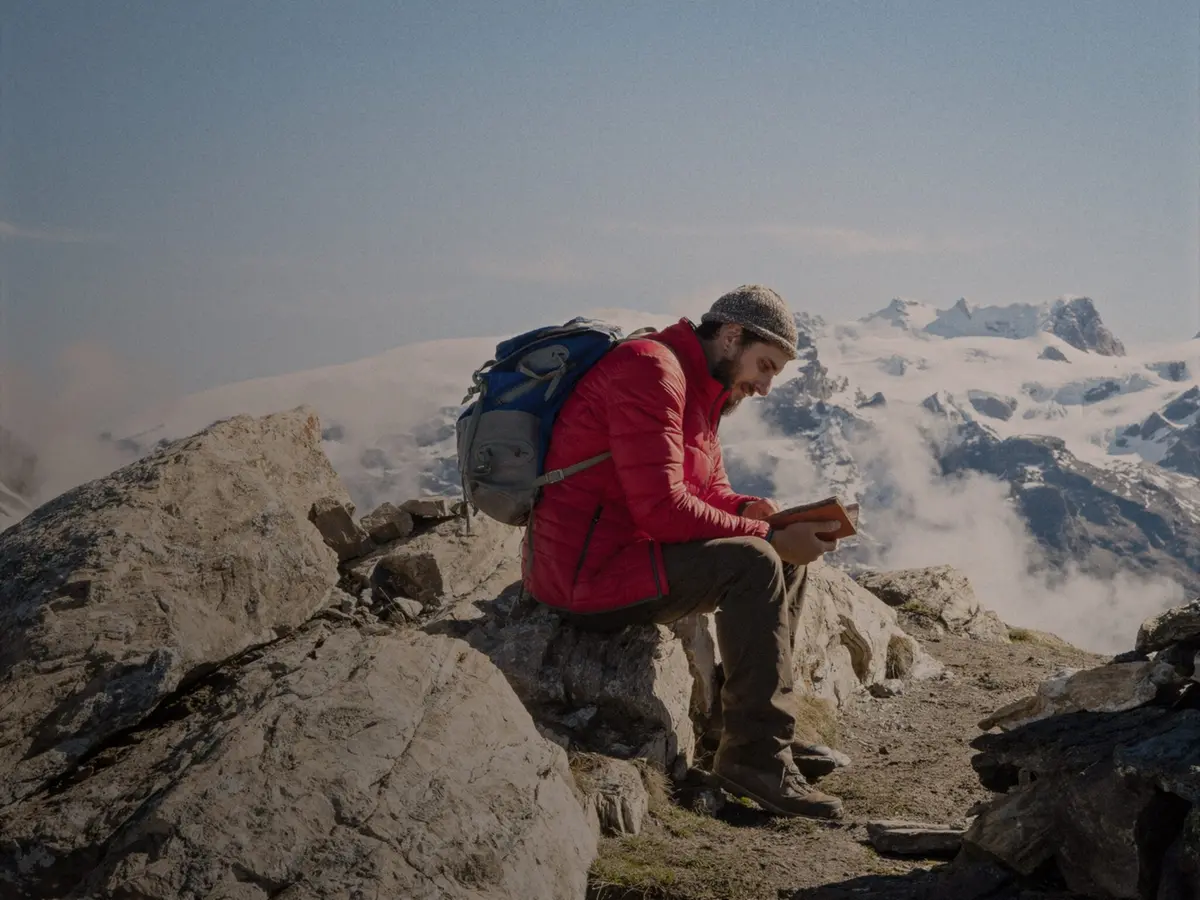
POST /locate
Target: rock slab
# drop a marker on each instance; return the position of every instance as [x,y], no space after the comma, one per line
[943,594]
[331,764]
[123,589]
[914,838]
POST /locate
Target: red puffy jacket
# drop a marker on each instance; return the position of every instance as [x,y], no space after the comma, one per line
[595,539]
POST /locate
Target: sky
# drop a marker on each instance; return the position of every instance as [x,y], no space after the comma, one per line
[198,193]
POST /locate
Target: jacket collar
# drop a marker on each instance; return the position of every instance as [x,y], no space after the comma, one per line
[681,338]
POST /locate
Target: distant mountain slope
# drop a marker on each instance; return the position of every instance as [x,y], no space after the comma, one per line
[880,409]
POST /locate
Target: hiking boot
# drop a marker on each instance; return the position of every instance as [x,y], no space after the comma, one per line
[781,789]
[816,760]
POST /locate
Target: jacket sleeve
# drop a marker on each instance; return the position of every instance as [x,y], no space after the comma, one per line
[721,494]
[646,396]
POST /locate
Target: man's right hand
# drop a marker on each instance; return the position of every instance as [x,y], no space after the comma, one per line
[799,543]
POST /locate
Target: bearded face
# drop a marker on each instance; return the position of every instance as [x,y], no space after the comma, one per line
[746,370]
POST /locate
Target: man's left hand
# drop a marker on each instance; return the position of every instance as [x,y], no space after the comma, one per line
[760,509]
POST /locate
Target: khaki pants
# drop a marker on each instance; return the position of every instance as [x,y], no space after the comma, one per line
[757,598]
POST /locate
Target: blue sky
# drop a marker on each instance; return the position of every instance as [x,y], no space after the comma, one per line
[223,190]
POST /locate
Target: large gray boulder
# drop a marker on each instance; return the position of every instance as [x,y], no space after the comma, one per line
[128,588]
[941,594]
[1176,625]
[848,640]
[329,765]
[1111,688]
[625,694]
[443,563]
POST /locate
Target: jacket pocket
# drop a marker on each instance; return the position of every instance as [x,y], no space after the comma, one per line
[586,541]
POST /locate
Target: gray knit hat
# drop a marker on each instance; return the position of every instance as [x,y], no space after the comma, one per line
[758,309]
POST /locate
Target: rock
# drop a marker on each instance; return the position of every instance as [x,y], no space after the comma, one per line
[848,640]
[334,518]
[889,687]
[638,680]
[1171,370]
[1053,353]
[328,765]
[1180,876]
[698,635]
[1077,322]
[940,593]
[992,405]
[614,790]
[1062,744]
[1106,826]
[1020,830]
[1171,627]
[406,608]
[124,589]
[1182,657]
[1184,406]
[914,838]
[815,761]
[1169,759]
[443,564]
[432,508]
[1109,688]
[387,524]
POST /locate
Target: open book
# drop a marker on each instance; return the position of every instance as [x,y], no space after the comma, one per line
[830,509]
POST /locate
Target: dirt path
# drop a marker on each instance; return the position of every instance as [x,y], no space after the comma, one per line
[911,761]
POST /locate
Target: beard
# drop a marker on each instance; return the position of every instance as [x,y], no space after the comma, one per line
[724,372]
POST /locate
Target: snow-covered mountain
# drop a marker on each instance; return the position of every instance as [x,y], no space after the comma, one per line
[1004,440]
[1073,319]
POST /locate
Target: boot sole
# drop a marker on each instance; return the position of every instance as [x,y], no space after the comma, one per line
[737,790]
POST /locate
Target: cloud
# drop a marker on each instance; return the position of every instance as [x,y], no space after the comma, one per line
[827,239]
[12,231]
[62,415]
[914,517]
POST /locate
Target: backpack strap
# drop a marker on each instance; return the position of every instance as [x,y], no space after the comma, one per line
[556,475]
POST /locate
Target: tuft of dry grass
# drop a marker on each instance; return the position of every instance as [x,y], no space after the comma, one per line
[816,720]
[1032,636]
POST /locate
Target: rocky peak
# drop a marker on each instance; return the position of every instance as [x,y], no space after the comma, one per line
[1078,323]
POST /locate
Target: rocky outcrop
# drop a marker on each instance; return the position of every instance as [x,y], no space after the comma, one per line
[1093,517]
[328,765]
[1054,355]
[190,708]
[993,406]
[613,791]
[941,596]
[125,589]
[1099,774]
[1078,323]
[848,641]
[625,694]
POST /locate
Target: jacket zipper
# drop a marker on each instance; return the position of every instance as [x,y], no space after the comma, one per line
[586,541]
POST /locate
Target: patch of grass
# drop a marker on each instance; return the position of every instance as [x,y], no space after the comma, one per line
[662,867]
[1031,636]
[918,608]
[816,720]
[635,863]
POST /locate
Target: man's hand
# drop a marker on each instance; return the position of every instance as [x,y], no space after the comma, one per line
[760,509]
[799,543]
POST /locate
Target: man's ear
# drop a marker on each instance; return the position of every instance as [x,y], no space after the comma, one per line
[731,336]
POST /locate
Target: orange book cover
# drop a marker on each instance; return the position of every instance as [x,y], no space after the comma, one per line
[830,509]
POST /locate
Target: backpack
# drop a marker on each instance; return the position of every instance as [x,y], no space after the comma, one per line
[503,436]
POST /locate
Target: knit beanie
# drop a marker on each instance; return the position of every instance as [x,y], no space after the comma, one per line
[758,309]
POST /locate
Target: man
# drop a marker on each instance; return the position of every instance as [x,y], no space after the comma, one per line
[656,532]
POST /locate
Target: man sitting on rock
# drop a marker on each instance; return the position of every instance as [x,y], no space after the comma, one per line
[656,532]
